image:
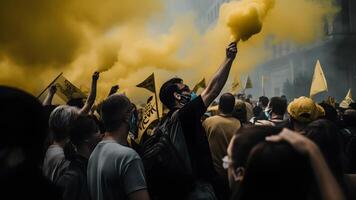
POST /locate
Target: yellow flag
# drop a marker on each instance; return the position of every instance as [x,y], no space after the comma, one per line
[319,81]
[349,95]
[148,117]
[248,84]
[347,101]
[236,84]
[200,84]
[149,83]
[65,89]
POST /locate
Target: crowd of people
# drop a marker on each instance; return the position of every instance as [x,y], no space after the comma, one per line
[264,149]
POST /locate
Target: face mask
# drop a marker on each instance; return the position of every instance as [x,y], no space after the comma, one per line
[184,99]
[133,124]
[268,113]
[193,95]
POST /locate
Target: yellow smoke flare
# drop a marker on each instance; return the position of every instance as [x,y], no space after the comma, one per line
[245,18]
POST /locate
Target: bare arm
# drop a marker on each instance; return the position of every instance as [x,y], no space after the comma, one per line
[328,186]
[50,95]
[139,195]
[91,99]
[219,79]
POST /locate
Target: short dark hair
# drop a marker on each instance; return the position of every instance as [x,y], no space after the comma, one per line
[277,165]
[278,105]
[246,139]
[113,111]
[264,100]
[328,138]
[240,111]
[227,103]
[330,112]
[349,118]
[167,90]
[82,129]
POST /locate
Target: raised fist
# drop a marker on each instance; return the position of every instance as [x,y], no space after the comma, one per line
[53,89]
[231,50]
[95,76]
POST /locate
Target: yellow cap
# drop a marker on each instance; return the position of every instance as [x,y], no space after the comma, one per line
[304,109]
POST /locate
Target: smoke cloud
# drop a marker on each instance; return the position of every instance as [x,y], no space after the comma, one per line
[245,18]
[40,39]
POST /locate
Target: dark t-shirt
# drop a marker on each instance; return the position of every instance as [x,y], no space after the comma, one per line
[73,181]
[195,137]
[190,141]
[257,110]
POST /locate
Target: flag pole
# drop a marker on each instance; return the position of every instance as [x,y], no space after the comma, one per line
[154,81]
[49,85]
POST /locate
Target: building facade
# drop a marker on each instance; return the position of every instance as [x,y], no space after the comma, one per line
[294,66]
[207,11]
[291,69]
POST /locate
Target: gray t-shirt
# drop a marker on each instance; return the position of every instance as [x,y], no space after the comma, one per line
[54,162]
[114,171]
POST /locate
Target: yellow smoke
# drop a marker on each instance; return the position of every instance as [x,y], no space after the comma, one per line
[40,39]
[245,18]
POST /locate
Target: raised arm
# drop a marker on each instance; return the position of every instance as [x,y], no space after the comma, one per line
[328,186]
[50,95]
[91,99]
[113,90]
[219,79]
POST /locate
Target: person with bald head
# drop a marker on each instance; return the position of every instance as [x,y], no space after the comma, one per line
[220,129]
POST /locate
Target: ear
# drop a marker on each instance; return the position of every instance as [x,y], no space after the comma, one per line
[238,174]
[177,96]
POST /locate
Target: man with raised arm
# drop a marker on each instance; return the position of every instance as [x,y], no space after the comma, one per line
[185,111]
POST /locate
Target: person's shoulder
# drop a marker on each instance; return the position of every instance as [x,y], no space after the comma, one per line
[69,176]
[126,152]
[248,105]
[127,156]
[112,148]
[212,120]
[54,149]
[197,104]
[120,153]
[233,120]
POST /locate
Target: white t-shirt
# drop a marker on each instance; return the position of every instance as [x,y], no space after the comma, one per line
[54,162]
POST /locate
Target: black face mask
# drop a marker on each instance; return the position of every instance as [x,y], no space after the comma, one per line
[184,99]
